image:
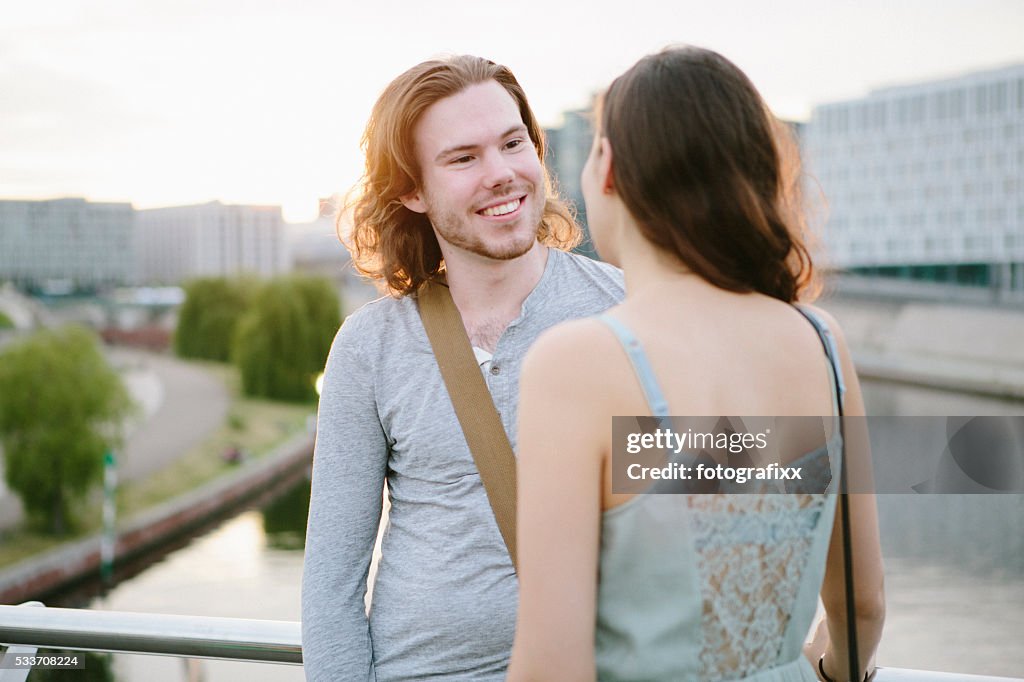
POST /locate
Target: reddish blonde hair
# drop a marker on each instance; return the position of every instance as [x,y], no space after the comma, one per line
[392,244]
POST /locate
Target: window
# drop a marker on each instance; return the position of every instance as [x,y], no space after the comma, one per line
[878,115]
[956,104]
[917,109]
[861,115]
[981,100]
[998,97]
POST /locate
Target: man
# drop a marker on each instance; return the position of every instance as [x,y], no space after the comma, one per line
[454,181]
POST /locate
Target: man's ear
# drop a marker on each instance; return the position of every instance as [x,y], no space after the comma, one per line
[414,201]
[605,166]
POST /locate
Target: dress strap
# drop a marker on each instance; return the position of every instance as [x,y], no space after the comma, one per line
[832,353]
[641,366]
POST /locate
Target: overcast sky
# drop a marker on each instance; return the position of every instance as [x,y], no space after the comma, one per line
[162,102]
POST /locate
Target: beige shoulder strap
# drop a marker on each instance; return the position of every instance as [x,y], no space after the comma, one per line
[473,404]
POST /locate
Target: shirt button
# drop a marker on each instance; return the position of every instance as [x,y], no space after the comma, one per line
[495,370]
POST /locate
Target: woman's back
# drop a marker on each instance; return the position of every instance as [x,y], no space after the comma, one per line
[715,586]
[718,352]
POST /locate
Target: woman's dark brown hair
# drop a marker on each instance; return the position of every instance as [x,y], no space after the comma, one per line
[389,242]
[707,172]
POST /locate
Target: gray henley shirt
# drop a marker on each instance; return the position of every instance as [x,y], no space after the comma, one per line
[445,596]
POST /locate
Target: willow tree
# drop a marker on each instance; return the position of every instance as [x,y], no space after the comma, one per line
[282,342]
[209,316]
[61,408]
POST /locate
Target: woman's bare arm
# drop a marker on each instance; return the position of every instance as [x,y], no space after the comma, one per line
[560,447]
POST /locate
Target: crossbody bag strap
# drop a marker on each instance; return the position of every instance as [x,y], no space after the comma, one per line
[473,405]
[835,364]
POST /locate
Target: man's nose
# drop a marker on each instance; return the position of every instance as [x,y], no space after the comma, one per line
[499,171]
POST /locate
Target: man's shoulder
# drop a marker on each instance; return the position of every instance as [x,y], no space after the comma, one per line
[583,279]
[380,310]
[376,319]
[585,266]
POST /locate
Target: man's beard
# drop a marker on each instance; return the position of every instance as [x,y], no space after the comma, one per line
[457,230]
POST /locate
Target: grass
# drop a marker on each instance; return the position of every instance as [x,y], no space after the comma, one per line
[254,426]
[22,543]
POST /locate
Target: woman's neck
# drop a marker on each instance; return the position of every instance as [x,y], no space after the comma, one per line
[649,270]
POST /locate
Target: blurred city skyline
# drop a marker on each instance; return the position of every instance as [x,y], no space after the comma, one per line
[181,103]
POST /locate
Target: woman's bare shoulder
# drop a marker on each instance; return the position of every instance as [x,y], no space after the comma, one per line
[574,347]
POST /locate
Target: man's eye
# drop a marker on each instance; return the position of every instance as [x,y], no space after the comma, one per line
[462,159]
[512,144]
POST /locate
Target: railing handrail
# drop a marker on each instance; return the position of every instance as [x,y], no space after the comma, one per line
[240,639]
[268,641]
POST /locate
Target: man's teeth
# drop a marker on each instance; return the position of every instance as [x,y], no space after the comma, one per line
[501,209]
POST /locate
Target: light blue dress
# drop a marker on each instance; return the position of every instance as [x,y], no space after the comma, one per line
[715,586]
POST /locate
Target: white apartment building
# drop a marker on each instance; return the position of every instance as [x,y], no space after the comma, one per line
[207,240]
[925,181]
[66,244]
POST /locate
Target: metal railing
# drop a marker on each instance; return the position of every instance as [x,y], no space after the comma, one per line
[239,639]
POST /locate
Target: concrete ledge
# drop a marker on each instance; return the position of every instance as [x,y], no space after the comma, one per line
[39,575]
[944,346]
[943,373]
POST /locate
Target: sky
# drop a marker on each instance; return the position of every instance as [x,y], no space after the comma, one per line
[166,102]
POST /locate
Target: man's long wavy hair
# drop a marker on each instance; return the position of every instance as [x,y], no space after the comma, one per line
[396,246]
[709,174]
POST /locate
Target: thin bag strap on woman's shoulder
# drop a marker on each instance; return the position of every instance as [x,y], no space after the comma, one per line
[835,362]
[474,406]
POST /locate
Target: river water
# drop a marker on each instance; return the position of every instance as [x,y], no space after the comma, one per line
[954,572]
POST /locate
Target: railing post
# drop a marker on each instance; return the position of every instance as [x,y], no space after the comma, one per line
[19,674]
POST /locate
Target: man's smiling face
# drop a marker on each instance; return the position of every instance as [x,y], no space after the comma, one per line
[481,182]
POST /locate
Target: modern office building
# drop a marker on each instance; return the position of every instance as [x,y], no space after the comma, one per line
[567,150]
[925,181]
[66,245]
[208,240]
[314,246]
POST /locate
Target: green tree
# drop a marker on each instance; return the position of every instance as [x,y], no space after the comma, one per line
[281,344]
[208,318]
[61,407]
[5,322]
[323,309]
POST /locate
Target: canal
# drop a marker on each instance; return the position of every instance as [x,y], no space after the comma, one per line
[954,571]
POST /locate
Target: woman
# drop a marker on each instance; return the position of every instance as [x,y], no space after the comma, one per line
[686,190]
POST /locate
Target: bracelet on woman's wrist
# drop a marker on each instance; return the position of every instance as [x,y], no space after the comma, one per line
[824,675]
[821,669]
